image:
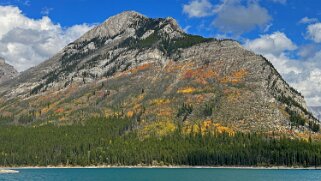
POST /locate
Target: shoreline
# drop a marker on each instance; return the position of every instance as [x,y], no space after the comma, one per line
[165,167]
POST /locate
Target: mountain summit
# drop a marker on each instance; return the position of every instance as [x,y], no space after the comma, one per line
[123,23]
[129,24]
[150,70]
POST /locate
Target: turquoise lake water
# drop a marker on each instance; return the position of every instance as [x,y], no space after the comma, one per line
[162,174]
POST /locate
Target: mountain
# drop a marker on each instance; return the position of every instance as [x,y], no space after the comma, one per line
[153,72]
[7,71]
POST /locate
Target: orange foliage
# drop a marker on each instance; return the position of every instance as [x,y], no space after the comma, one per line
[62,119]
[6,113]
[166,112]
[223,129]
[235,77]
[232,95]
[101,93]
[190,73]
[137,106]
[199,98]
[59,110]
[130,114]
[172,66]
[50,106]
[200,74]
[140,67]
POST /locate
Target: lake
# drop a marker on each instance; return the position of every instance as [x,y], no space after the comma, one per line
[161,174]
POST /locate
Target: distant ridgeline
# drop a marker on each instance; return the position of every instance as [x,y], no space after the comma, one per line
[116,142]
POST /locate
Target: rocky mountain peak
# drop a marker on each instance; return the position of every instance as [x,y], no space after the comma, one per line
[134,25]
[174,24]
[115,25]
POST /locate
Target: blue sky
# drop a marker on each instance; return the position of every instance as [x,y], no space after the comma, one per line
[285,14]
[287,32]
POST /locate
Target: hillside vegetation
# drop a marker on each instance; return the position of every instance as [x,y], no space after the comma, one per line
[115,141]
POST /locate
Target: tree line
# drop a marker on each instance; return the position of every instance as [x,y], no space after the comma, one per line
[115,141]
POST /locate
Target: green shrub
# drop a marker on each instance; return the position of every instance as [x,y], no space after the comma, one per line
[185,110]
[207,110]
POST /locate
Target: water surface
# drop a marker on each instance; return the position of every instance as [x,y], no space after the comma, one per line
[161,174]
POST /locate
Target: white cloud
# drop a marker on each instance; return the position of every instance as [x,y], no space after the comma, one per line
[267,27]
[45,11]
[233,16]
[279,1]
[198,8]
[309,84]
[307,20]
[186,29]
[308,51]
[26,42]
[314,32]
[274,44]
[303,74]
[284,65]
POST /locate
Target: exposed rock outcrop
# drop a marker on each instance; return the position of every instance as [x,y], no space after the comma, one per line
[7,71]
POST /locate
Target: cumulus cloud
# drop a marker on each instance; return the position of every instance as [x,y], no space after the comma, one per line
[26,42]
[303,74]
[309,50]
[309,80]
[274,47]
[307,20]
[314,32]
[198,8]
[310,86]
[275,43]
[286,66]
[231,16]
[234,17]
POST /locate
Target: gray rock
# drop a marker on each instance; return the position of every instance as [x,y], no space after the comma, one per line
[7,72]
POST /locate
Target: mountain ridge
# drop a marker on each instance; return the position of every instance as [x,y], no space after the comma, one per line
[98,34]
[150,70]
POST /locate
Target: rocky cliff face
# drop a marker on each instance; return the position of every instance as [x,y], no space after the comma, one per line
[150,70]
[7,71]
